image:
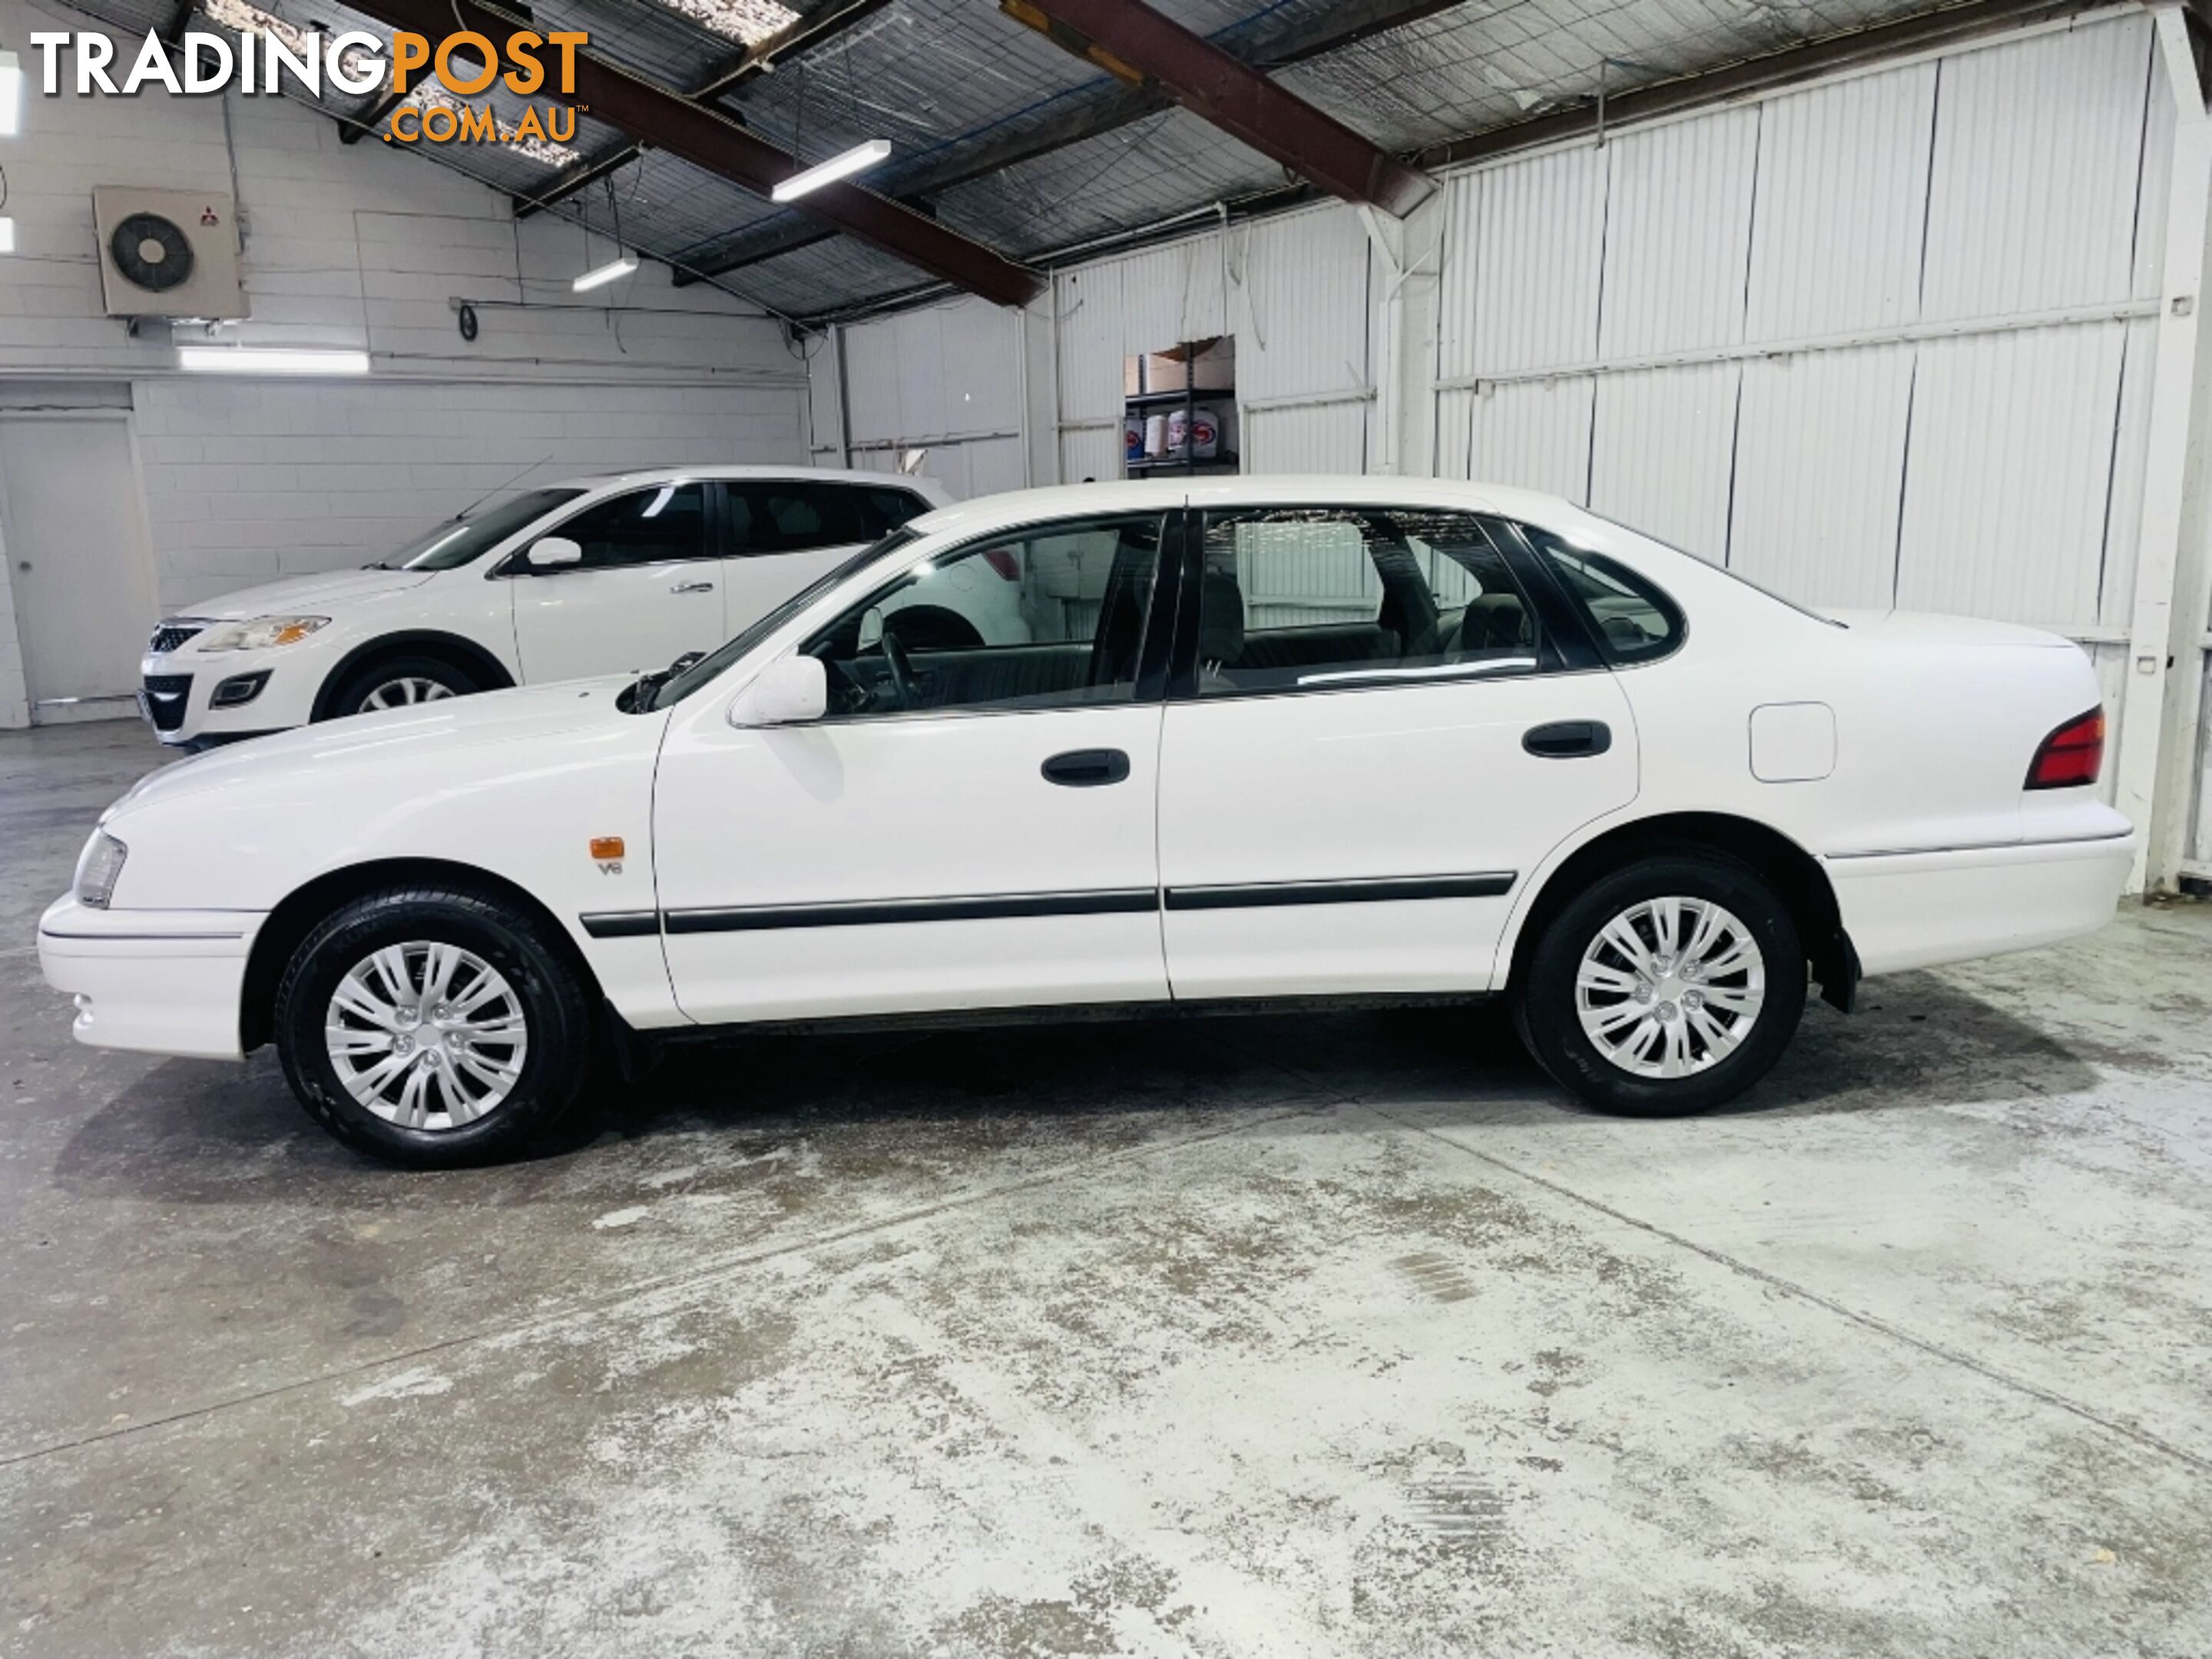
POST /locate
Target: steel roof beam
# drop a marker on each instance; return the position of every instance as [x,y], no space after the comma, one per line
[1125,36]
[1099,111]
[707,138]
[795,40]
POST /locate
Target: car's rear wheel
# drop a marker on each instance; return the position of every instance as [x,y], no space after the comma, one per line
[1669,986]
[434,1027]
[400,683]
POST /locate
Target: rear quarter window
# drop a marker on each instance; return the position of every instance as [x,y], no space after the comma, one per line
[1632,620]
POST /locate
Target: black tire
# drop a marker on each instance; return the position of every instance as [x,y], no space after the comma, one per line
[552,1079]
[364,682]
[1545,1011]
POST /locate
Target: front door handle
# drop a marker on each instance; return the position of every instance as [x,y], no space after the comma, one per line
[1085,768]
[692,587]
[1566,739]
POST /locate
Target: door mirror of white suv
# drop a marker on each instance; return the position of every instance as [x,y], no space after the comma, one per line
[788,692]
[548,551]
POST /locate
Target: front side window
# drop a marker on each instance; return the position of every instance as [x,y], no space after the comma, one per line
[794,517]
[1048,618]
[647,526]
[451,544]
[1316,598]
[1632,621]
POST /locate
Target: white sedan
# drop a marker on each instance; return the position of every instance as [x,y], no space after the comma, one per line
[1266,741]
[627,571]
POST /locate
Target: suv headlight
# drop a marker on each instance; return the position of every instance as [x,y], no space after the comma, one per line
[260,633]
[97,867]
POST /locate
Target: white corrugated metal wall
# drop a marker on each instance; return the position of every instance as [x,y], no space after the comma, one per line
[946,378]
[1294,291]
[1880,340]
[1883,339]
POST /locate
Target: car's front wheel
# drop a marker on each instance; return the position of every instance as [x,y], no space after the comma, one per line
[1670,985]
[434,1027]
[399,683]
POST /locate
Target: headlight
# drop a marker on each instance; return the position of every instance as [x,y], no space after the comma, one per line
[260,633]
[97,867]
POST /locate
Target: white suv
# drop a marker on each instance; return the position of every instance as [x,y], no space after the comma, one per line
[595,576]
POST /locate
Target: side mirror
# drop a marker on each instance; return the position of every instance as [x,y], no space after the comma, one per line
[789,690]
[548,551]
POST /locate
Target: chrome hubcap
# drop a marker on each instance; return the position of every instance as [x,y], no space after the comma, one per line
[1670,986]
[406,689]
[426,1035]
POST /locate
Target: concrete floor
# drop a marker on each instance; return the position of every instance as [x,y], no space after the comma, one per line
[1213,1337]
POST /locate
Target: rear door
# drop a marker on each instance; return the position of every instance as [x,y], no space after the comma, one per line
[780,534]
[1380,722]
[648,588]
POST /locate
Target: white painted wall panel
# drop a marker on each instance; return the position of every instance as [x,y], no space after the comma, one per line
[1090,330]
[2005,483]
[2032,195]
[1521,262]
[1821,449]
[1661,455]
[1091,452]
[1307,438]
[1678,235]
[1536,434]
[1842,202]
[1300,287]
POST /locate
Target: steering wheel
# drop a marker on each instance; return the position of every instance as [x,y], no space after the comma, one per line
[902,671]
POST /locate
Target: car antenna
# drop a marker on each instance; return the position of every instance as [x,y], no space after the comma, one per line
[507,484]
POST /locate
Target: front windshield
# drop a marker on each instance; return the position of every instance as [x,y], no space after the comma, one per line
[680,686]
[452,543]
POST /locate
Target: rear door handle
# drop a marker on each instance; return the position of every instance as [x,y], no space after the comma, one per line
[1085,768]
[692,587]
[1566,739]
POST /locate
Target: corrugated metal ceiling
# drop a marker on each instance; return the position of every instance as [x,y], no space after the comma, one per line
[941,78]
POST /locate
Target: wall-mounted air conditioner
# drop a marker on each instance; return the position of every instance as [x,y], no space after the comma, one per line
[169,253]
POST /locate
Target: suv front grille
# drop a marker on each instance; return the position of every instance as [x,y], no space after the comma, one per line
[166,695]
[171,634]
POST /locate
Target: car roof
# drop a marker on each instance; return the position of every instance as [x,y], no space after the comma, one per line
[988,513]
[653,474]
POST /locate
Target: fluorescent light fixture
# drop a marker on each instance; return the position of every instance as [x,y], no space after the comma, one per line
[838,167]
[599,277]
[7,236]
[249,359]
[11,94]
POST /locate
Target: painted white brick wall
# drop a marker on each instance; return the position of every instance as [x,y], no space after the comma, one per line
[356,246]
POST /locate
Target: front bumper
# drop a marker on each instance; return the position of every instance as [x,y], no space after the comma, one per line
[1917,909]
[163,981]
[177,691]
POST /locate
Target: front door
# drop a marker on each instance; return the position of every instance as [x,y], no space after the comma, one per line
[1373,740]
[971,826]
[648,588]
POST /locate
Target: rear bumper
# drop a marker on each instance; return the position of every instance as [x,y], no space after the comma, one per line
[1918,909]
[163,981]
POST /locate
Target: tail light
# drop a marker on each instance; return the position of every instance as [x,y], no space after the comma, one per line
[1002,560]
[2071,756]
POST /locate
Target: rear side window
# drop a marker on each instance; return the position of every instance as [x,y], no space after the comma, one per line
[1631,620]
[791,518]
[885,510]
[1326,598]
